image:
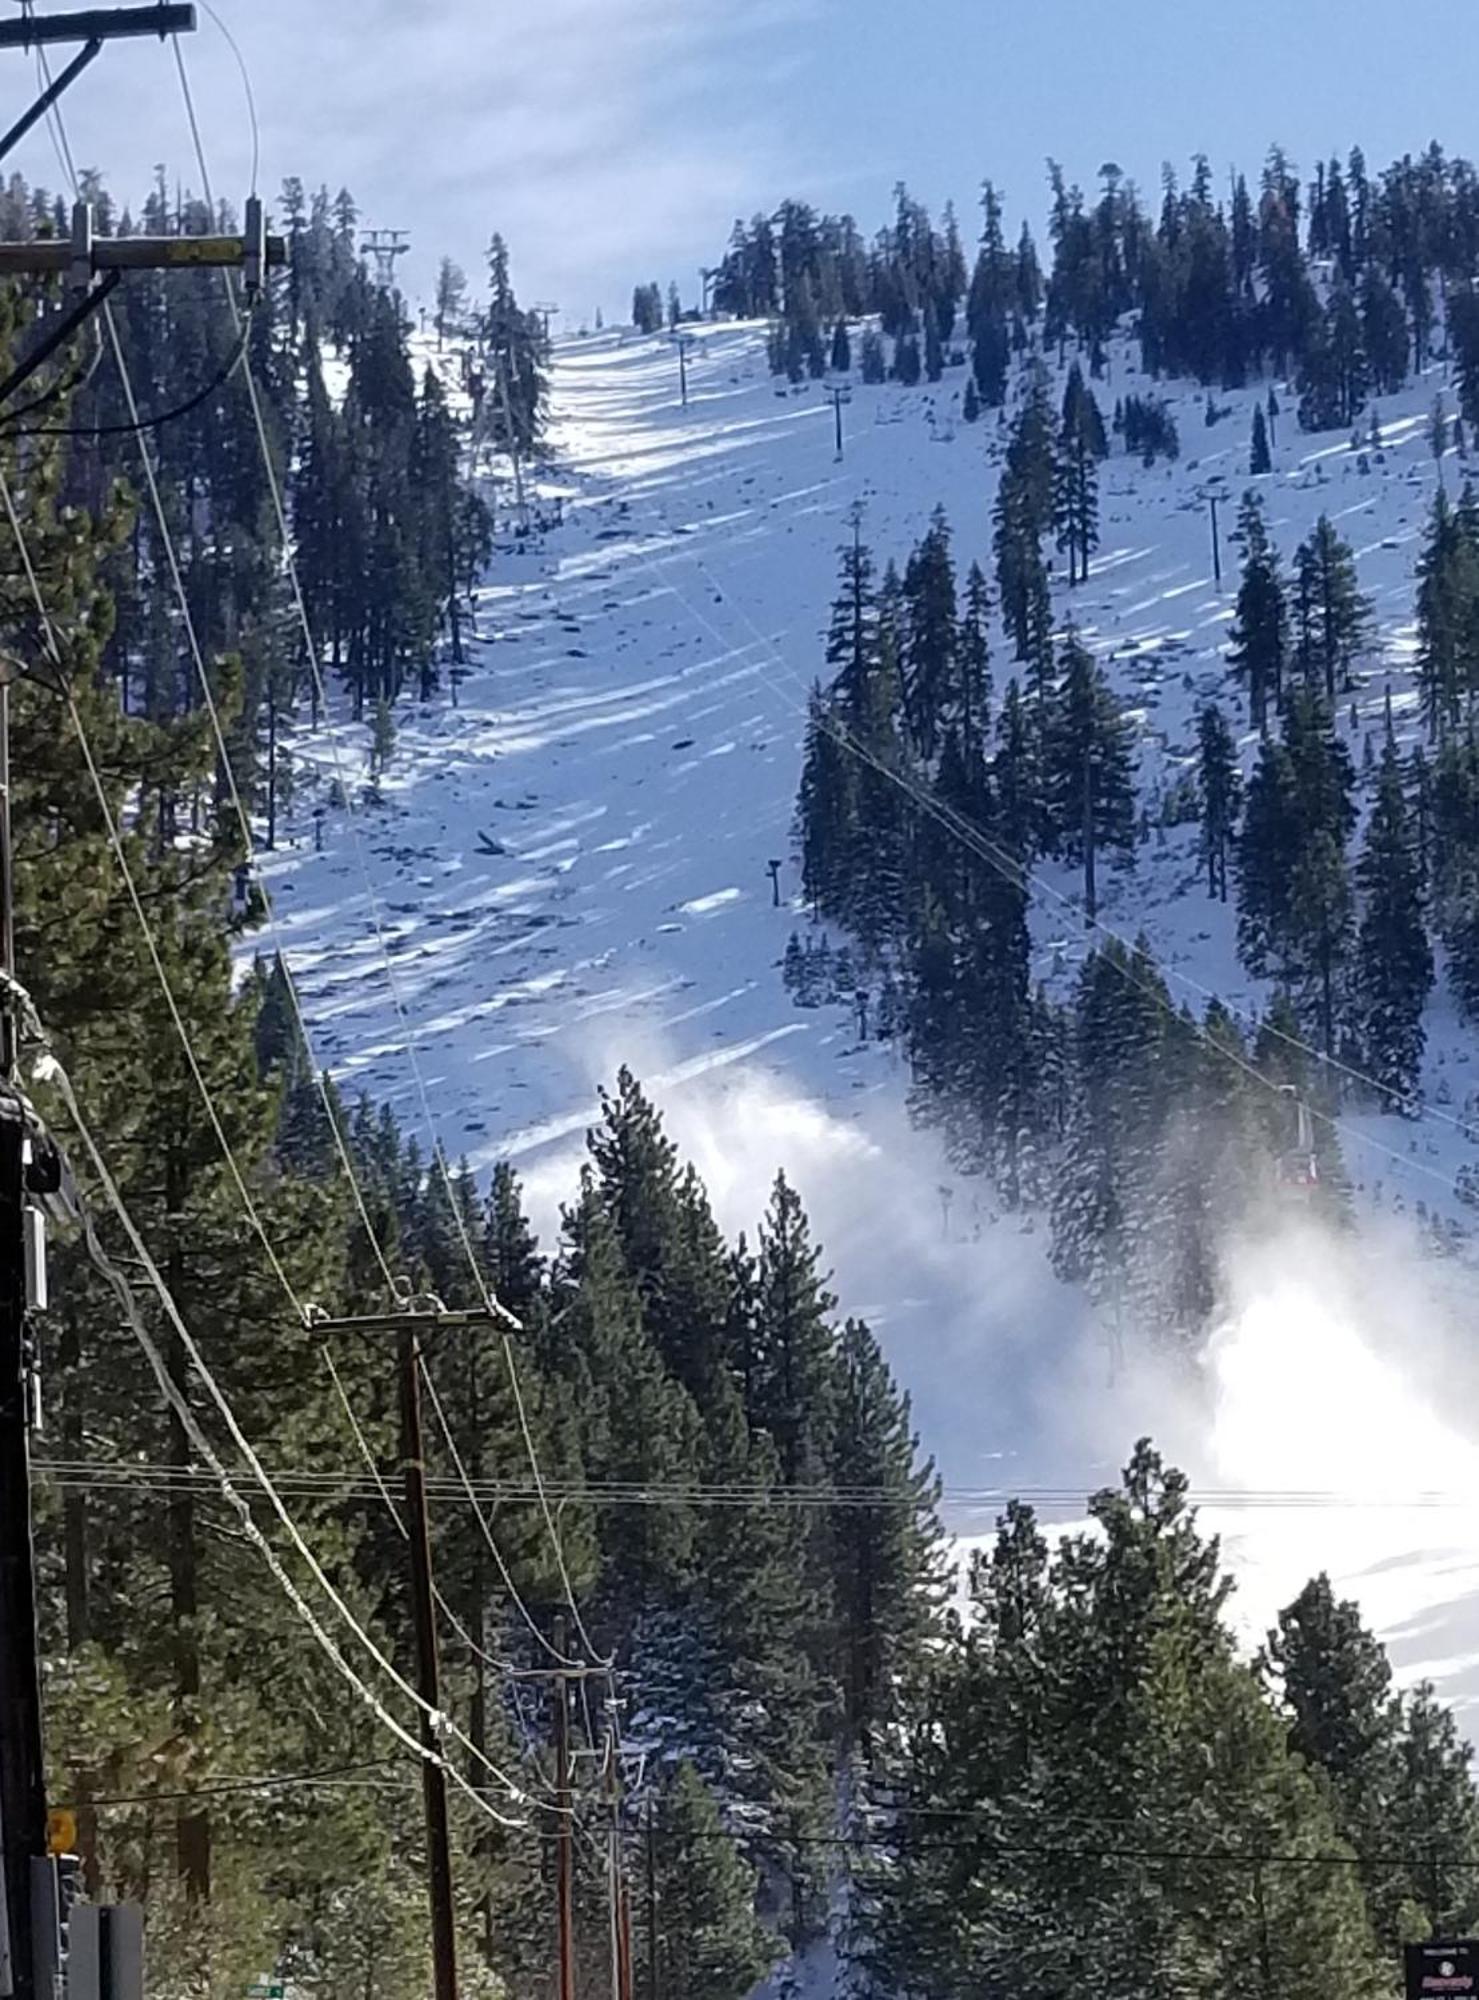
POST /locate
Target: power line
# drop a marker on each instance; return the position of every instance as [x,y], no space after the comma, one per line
[1006,1850]
[135,425]
[499,1666]
[125,1475]
[483,1523]
[121,857]
[434,1720]
[1020,875]
[1011,869]
[246,84]
[333,1774]
[321,1075]
[493,1306]
[50,1070]
[192,1349]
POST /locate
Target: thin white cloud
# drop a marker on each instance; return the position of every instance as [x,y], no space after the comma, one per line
[608,139]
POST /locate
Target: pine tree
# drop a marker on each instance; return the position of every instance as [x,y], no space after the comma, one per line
[1334,621]
[884,1547]
[1259,641]
[852,635]
[451,298]
[932,637]
[1384,333]
[1321,921]
[1270,831]
[793,1393]
[1447,617]
[710,1944]
[1261,460]
[1394,961]
[1335,1684]
[517,343]
[973,659]
[1220,786]
[990,360]
[382,741]
[1091,768]
[635,1425]
[1016,777]
[827,810]
[1081,443]
[1295,911]
[510,1249]
[1438,434]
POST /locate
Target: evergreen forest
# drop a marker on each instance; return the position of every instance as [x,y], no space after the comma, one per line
[672,1458]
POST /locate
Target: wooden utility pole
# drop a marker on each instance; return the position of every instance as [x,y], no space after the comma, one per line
[428,1676]
[1265,1959]
[626,1942]
[621,1916]
[408,1327]
[650,1843]
[565,1837]
[22,1780]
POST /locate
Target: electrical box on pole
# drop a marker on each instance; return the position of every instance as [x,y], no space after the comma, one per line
[105,1952]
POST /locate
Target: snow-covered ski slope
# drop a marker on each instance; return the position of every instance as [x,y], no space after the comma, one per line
[570,871]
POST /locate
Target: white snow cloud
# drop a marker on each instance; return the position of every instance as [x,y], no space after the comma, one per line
[1332,1408]
[979,1332]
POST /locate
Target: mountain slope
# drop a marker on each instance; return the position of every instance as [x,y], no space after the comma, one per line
[571,869]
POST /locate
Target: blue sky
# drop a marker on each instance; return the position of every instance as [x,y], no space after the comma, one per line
[613,140]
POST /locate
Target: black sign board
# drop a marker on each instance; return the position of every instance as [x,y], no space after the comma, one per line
[1438,1971]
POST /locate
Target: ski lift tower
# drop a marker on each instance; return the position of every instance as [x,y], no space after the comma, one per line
[381,247]
[546,310]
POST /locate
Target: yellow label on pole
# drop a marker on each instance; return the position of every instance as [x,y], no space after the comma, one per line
[61,1831]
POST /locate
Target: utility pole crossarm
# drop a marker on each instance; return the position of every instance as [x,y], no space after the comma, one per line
[137,253]
[103,24]
[441,1321]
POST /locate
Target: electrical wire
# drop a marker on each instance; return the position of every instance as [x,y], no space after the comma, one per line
[1020,875]
[120,855]
[103,1475]
[321,1075]
[69,385]
[499,1666]
[491,1304]
[137,423]
[333,1774]
[243,820]
[1006,1850]
[246,86]
[488,1536]
[50,1070]
[238,1436]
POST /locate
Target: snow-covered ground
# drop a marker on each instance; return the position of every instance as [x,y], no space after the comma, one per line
[570,870]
